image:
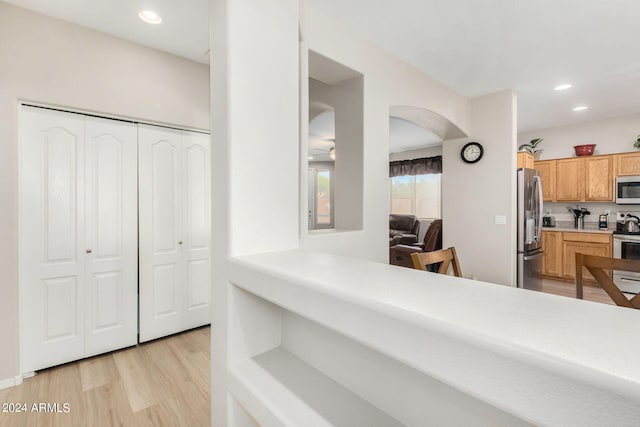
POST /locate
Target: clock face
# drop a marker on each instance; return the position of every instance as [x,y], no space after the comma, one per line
[472,152]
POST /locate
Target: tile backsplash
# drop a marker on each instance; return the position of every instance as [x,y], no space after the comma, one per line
[560,212]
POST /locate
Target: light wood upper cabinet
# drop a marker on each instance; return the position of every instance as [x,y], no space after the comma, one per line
[524,160]
[547,171]
[569,180]
[579,179]
[552,258]
[598,183]
[627,164]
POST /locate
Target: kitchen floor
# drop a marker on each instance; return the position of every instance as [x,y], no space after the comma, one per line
[161,383]
[565,289]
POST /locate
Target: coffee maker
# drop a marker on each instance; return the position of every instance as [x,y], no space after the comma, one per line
[603,221]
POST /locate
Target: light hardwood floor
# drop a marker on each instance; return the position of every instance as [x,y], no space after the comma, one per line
[565,289]
[161,383]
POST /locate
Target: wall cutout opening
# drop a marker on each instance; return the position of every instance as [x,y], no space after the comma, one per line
[416,136]
[335,167]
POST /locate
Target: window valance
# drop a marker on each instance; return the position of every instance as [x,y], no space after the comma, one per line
[422,166]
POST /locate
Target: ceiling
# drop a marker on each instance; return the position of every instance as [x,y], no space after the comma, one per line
[480,47]
[184,30]
[475,47]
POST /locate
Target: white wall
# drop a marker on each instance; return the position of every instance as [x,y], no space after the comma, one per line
[615,135]
[387,82]
[416,154]
[54,62]
[346,99]
[473,194]
[255,156]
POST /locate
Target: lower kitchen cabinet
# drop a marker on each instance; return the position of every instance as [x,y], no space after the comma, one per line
[585,243]
[552,259]
[560,249]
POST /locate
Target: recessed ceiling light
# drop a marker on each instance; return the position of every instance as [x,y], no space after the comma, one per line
[580,108]
[563,86]
[149,17]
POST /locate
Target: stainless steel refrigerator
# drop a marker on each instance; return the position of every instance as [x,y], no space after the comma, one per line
[529,222]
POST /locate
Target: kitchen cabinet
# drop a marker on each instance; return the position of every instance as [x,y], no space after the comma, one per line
[587,243]
[560,248]
[552,258]
[569,180]
[579,179]
[174,176]
[78,259]
[524,160]
[547,171]
[627,164]
[598,178]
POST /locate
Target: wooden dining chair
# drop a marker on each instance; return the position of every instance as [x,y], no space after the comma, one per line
[446,257]
[596,265]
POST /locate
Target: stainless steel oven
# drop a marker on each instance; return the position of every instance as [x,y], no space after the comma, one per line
[627,246]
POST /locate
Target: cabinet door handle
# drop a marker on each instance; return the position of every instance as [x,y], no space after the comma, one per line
[180,242]
[88,251]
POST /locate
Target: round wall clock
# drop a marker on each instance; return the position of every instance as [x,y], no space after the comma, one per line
[472,152]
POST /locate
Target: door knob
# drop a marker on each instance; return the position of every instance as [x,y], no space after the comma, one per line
[88,251]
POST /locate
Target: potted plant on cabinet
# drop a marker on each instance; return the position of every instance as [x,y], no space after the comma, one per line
[637,143]
[532,147]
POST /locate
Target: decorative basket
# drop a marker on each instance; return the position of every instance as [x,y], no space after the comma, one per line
[584,150]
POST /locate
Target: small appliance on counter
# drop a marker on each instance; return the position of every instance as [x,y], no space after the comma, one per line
[603,221]
[548,221]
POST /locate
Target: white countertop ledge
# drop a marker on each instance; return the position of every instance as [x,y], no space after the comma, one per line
[591,343]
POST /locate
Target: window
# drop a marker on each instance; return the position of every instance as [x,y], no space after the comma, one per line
[320,197]
[323,197]
[418,195]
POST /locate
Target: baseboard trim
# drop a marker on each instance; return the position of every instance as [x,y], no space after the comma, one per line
[9,382]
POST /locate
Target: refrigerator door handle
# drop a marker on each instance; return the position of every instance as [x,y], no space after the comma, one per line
[538,182]
[533,256]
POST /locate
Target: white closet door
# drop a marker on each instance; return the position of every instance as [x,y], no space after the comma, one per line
[161,232]
[197,219]
[51,163]
[111,244]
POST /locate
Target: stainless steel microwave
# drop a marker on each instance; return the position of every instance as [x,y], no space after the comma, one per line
[628,190]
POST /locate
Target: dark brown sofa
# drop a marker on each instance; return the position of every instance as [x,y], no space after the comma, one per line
[403,229]
[401,254]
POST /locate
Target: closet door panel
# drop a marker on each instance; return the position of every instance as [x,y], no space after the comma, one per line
[111,244]
[51,226]
[197,225]
[161,234]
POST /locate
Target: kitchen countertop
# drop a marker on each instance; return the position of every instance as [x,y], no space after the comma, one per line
[589,227]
